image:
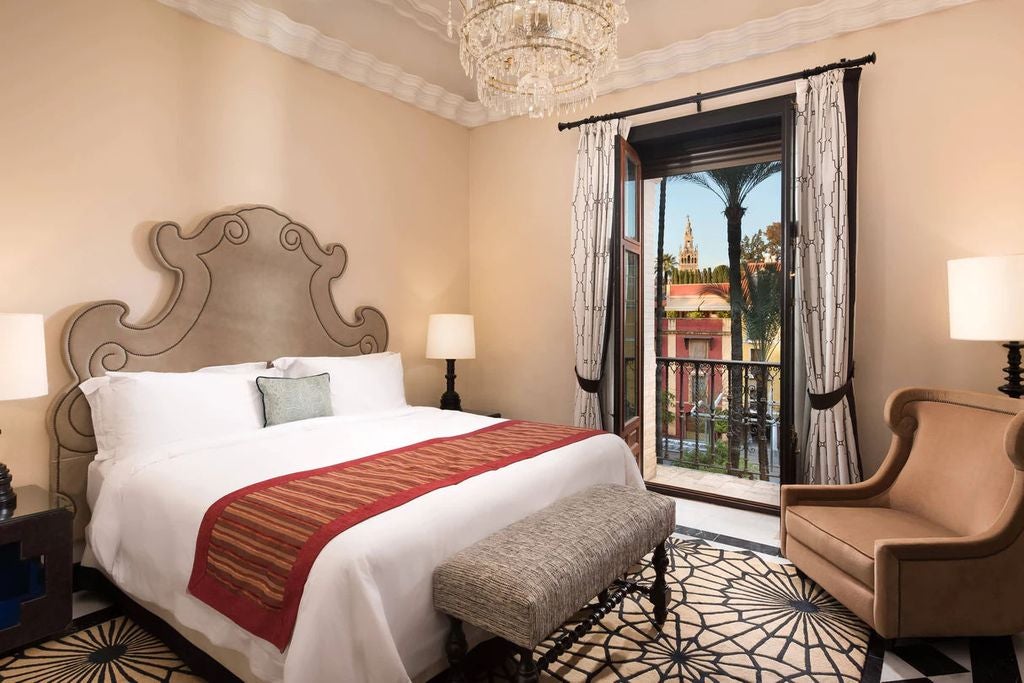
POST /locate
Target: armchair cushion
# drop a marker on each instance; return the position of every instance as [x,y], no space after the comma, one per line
[847,535]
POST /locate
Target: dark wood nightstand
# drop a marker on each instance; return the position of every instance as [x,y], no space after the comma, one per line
[485,413]
[35,568]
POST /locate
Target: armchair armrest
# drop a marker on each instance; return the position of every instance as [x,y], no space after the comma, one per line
[903,433]
[800,494]
[926,585]
[867,492]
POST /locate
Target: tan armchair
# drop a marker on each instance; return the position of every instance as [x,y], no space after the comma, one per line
[931,545]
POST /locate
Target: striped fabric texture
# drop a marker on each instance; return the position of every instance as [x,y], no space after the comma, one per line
[257,545]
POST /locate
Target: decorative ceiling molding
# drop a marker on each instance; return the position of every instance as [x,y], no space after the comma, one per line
[792,28]
[423,15]
[274,29]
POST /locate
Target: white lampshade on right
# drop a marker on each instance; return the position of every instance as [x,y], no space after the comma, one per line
[986,298]
[985,304]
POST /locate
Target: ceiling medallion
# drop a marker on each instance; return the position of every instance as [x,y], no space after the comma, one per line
[537,57]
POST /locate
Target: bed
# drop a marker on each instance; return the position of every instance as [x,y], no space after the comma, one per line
[253,284]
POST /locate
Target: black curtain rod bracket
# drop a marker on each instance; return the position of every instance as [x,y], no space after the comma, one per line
[699,98]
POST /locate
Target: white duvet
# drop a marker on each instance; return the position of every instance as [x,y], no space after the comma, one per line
[366,613]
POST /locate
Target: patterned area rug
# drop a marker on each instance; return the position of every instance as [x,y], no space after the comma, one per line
[113,651]
[734,618]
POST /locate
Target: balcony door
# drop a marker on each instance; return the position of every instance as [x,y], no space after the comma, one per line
[718,203]
[628,309]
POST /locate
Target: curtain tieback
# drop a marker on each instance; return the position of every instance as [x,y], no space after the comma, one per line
[591,386]
[832,398]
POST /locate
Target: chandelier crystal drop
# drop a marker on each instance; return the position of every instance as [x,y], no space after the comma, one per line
[537,57]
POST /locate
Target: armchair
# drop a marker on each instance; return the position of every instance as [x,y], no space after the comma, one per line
[932,544]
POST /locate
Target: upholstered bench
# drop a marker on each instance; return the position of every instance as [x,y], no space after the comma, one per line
[528,579]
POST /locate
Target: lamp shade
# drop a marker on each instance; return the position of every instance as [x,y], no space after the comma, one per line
[985,295]
[450,335]
[22,356]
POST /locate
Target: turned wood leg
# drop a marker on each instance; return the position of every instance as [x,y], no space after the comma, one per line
[659,590]
[602,597]
[527,671]
[455,648]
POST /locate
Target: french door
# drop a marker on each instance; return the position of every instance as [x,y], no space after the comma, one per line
[628,300]
[720,404]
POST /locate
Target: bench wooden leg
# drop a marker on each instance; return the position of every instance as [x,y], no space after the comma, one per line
[455,648]
[659,590]
[527,671]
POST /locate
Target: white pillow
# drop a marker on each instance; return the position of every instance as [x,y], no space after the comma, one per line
[140,410]
[359,384]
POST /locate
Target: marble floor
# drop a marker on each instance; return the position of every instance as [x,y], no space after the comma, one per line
[720,484]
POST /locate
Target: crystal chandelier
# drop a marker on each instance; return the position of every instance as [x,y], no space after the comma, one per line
[537,57]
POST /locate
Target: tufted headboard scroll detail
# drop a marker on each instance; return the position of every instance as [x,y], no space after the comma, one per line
[249,285]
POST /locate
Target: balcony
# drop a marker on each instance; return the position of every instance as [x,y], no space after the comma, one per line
[718,427]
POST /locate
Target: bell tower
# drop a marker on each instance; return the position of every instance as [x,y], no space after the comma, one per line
[689,255]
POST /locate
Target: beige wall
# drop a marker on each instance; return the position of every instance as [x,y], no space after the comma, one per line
[941,176]
[119,113]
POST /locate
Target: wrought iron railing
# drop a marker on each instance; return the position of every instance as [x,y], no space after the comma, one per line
[719,416]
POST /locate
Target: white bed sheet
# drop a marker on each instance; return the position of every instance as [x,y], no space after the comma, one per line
[366,613]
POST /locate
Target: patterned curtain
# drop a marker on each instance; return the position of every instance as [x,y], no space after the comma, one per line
[593,214]
[826,125]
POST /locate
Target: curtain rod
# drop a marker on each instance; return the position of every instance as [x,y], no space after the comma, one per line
[700,97]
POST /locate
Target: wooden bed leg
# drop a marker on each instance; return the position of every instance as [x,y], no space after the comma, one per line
[455,648]
[659,590]
[527,671]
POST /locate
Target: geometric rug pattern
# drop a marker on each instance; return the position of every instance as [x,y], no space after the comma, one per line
[734,618]
[113,651]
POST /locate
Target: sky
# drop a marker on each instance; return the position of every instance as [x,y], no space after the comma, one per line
[705,210]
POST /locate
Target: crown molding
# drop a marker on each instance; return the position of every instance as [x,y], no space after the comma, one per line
[274,29]
[792,28]
[423,15]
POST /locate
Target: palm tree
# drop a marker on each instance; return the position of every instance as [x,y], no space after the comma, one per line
[733,185]
[669,264]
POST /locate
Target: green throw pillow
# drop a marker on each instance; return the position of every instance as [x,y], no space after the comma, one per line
[287,399]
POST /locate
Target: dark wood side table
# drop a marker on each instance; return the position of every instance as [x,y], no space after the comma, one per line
[485,413]
[35,568]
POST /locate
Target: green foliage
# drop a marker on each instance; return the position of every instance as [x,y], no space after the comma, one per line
[732,185]
[669,408]
[763,245]
[762,307]
[702,275]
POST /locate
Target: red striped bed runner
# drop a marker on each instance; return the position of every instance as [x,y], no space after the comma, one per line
[257,545]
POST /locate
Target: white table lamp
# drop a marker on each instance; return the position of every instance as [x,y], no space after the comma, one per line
[986,303]
[22,374]
[450,337]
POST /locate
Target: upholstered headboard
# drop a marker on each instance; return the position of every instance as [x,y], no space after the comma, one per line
[249,285]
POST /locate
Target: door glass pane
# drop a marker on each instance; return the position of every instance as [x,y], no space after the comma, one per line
[631,229]
[631,335]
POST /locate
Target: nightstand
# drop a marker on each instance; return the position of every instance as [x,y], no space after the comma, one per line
[35,568]
[485,413]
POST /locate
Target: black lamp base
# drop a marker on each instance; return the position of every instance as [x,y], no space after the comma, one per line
[450,398]
[1014,387]
[8,498]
